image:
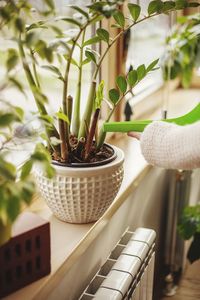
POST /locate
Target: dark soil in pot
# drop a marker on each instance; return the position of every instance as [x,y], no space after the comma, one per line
[99,157]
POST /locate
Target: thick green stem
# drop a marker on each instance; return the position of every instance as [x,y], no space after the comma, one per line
[88,110]
[76,114]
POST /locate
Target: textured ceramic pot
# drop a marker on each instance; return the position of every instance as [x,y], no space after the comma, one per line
[82,195]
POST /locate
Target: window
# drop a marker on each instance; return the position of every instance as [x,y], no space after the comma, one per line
[51,86]
[147,44]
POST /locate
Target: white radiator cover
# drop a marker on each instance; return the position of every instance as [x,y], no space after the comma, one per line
[129,270]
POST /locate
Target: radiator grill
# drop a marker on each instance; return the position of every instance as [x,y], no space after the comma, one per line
[128,272]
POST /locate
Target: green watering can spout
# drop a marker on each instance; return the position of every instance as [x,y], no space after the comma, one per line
[139,125]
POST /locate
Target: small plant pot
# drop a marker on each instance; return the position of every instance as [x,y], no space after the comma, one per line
[82,194]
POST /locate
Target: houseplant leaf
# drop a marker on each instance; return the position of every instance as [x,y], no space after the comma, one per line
[103,34]
[114,95]
[132,77]
[141,72]
[90,55]
[119,18]
[121,83]
[93,40]
[155,7]
[134,11]
[152,65]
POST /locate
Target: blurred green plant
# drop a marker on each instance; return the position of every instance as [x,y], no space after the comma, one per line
[189,227]
[16,186]
[183,50]
[67,129]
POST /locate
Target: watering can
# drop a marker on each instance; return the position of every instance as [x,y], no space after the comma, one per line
[139,125]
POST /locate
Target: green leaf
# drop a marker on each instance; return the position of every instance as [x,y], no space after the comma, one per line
[27,191]
[180,4]
[16,83]
[36,25]
[152,65]
[19,112]
[119,18]
[121,83]
[55,70]
[26,169]
[141,72]
[7,170]
[56,29]
[31,39]
[132,77]
[134,11]
[81,11]
[69,20]
[90,55]
[103,34]
[19,24]
[155,6]
[74,62]
[50,4]
[13,207]
[86,61]
[168,5]
[39,156]
[114,95]
[193,4]
[62,116]
[6,119]
[92,41]
[12,59]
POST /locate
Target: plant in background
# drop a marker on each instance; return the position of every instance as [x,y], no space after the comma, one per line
[71,137]
[189,227]
[183,50]
[16,186]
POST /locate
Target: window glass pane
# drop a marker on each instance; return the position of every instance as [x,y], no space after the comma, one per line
[51,86]
[147,44]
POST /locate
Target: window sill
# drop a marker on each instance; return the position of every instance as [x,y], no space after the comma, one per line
[68,241]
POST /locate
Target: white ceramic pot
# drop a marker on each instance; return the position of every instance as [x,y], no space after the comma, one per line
[82,195]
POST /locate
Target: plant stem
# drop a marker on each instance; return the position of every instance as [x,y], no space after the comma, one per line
[88,110]
[69,107]
[63,148]
[34,69]
[91,133]
[102,134]
[41,108]
[76,117]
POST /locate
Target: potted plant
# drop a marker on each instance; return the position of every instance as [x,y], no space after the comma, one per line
[182,55]
[88,171]
[189,227]
[16,186]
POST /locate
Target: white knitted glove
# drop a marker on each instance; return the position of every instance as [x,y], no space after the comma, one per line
[171,146]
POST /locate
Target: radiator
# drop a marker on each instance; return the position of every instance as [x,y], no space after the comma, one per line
[129,270]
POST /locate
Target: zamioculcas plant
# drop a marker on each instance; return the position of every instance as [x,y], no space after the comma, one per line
[71,137]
